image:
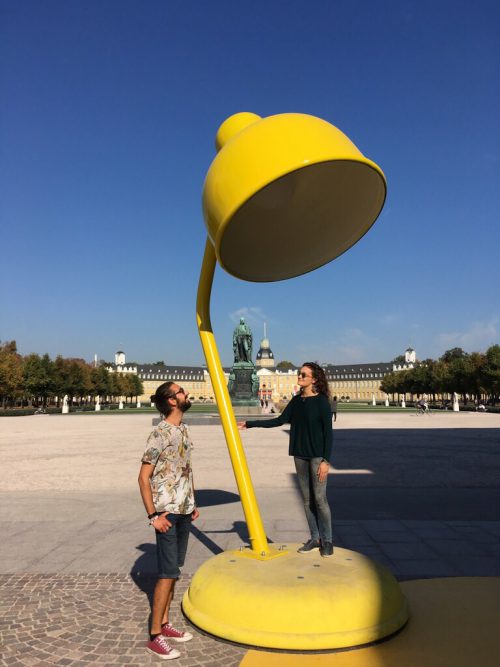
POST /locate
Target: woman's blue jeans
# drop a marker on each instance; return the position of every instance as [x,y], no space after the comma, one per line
[313,492]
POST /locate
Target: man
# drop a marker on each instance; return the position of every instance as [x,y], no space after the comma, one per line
[167,490]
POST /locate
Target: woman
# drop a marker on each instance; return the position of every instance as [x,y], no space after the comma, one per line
[310,418]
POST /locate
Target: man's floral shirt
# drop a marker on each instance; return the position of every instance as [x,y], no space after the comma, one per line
[169,451]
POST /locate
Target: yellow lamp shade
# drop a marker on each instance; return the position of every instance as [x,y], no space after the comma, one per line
[287,194]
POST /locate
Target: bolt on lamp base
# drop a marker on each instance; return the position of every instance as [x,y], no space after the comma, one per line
[296,601]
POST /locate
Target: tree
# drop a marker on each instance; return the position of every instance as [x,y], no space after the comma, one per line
[451,355]
[389,384]
[127,386]
[399,360]
[491,372]
[72,377]
[440,377]
[11,372]
[131,385]
[395,383]
[116,385]
[138,386]
[38,378]
[416,380]
[100,382]
[458,370]
[475,374]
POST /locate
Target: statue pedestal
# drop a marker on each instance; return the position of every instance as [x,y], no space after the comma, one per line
[245,410]
[241,390]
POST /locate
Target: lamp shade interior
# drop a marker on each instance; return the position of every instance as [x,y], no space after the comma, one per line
[301,221]
[287,194]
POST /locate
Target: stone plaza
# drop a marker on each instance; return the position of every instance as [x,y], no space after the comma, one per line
[77,558]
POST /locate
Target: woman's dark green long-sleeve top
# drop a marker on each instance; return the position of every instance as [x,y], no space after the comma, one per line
[310,420]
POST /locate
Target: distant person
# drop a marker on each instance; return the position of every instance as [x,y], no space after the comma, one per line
[166,485]
[422,406]
[334,409]
[310,418]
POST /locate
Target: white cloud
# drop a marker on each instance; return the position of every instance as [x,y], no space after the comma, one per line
[254,316]
[349,334]
[388,320]
[350,354]
[478,337]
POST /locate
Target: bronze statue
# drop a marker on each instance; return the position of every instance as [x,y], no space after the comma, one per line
[242,343]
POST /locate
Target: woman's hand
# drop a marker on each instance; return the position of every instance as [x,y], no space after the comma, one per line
[323,469]
[242,425]
[195,514]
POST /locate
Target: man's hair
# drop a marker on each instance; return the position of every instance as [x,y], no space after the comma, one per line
[161,396]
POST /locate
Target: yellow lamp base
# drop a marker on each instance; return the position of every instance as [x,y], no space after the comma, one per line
[296,601]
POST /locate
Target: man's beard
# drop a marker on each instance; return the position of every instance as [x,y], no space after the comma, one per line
[185,405]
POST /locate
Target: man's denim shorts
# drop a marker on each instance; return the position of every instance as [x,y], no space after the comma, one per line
[171,546]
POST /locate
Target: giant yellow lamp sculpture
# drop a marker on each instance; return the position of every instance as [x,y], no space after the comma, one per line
[302,184]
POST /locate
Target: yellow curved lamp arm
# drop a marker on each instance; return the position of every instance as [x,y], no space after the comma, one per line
[256,532]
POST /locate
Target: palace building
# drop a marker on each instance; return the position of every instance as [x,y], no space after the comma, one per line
[349,382]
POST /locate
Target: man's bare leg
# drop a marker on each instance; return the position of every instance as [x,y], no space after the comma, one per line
[169,602]
[161,601]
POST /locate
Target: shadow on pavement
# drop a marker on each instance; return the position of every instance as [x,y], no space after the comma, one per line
[426,474]
[210,497]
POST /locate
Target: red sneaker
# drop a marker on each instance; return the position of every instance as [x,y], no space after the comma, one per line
[169,631]
[162,649]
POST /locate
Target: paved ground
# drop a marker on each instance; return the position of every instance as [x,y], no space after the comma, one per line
[419,494]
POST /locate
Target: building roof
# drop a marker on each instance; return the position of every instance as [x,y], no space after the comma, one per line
[178,372]
[356,370]
[196,373]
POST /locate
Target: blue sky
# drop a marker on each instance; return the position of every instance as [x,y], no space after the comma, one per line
[108,114]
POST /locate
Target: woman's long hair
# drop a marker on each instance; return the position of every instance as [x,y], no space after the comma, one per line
[321,385]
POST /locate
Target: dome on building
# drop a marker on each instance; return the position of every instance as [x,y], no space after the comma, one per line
[265,356]
[120,358]
[410,356]
[265,353]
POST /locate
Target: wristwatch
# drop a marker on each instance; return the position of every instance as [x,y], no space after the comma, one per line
[150,516]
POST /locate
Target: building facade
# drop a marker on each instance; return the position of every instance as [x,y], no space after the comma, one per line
[349,382]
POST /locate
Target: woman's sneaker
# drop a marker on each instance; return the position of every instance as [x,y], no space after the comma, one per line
[326,549]
[162,649]
[311,545]
[169,631]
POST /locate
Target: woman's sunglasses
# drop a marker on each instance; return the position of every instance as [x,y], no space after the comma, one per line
[303,375]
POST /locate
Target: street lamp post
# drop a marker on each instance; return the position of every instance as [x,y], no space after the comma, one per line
[301,183]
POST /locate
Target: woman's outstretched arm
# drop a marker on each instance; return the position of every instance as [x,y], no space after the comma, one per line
[284,418]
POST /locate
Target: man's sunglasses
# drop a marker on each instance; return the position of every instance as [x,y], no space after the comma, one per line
[179,391]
